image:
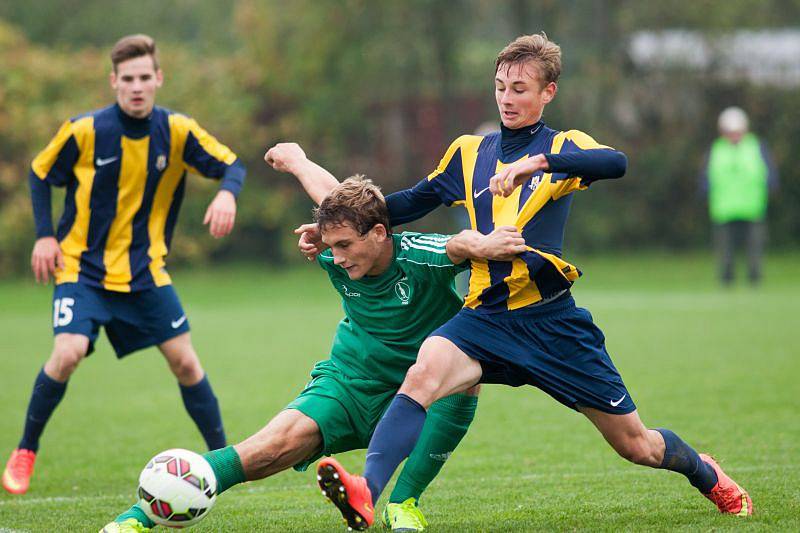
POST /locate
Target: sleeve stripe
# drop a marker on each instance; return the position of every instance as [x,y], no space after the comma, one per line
[441,250]
[416,243]
[449,265]
[429,240]
[44,162]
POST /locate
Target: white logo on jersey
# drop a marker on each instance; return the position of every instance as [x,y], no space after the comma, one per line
[475,194]
[177,323]
[403,291]
[99,162]
[350,294]
[535,181]
[161,162]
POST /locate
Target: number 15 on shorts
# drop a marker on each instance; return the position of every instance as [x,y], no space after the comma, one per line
[62,311]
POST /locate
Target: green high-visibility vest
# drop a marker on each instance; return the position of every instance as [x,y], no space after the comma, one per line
[737,176]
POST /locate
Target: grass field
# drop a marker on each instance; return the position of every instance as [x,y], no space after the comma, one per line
[720,368]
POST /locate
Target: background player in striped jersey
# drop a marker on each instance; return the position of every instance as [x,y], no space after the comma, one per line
[395,290]
[520,325]
[124,169]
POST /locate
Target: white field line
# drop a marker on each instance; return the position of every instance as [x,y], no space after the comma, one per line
[256,488]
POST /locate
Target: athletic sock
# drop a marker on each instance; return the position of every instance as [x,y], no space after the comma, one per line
[136,512]
[203,407]
[680,457]
[394,438]
[46,395]
[227,467]
[446,424]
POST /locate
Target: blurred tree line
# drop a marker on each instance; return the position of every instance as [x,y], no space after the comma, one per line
[382,88]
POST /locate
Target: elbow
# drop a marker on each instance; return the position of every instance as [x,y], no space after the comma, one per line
[619,165]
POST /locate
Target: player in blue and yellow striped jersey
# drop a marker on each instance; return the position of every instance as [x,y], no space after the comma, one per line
[520,325]
[124,169]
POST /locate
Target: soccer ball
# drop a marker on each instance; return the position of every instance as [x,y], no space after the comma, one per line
[177,488]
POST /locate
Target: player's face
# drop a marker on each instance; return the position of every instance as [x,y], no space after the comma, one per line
[520,94]
[136,81]
[360,255]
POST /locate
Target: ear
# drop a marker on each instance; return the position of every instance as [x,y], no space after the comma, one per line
[380,232]
[549,92]
[159,78]
[112,79]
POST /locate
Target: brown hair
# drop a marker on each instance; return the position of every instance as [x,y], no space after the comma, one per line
[356,201]
[537,48]
[132,46]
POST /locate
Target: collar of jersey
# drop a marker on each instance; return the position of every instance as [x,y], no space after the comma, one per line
[514,142]
[132,127]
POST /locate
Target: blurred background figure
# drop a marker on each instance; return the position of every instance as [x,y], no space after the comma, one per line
[738,177]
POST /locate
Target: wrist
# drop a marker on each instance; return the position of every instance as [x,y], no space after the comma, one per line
[224,192]
[543,163]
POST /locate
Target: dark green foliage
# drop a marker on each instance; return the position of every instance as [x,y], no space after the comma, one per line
[382,88]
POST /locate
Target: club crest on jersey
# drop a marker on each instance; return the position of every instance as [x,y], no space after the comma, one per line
[161,162]
[403,291]
[535,181]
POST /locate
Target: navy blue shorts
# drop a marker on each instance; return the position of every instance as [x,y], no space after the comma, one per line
[133,321]
[555,347]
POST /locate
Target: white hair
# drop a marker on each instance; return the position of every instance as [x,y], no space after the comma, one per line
[733,120]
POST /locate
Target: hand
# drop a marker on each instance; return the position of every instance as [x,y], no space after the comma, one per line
[46,259]
[284,157]
[310,242]
[509,178]
[502,244]
[221,214]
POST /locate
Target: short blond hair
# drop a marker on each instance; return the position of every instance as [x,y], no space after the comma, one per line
[356,201]
[132,46]
[536,48]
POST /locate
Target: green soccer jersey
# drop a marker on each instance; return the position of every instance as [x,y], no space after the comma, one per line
[388,316]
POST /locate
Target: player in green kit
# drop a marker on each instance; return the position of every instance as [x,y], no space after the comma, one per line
[395,290]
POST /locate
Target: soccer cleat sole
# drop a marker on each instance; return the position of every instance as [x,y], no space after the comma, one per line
[333,489]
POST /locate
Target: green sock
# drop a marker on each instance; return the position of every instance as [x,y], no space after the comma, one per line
[137,513]
[227,467]
[446,424]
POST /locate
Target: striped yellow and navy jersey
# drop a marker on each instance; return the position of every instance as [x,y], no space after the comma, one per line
[538,208]
[124,180]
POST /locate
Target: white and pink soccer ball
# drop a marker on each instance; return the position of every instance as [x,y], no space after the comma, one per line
[177,488]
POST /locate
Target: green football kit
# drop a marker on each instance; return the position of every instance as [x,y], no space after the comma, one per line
[387,317]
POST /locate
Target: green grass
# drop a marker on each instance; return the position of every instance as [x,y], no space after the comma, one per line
[718,367]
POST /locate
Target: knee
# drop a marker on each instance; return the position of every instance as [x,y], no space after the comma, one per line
[420,379]
[186,368]
[67,354]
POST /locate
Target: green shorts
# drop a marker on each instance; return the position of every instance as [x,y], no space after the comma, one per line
[345,409]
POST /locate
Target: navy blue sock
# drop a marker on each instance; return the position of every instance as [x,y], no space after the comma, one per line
[393,441]
[203,407]
[680,457]
[46,395]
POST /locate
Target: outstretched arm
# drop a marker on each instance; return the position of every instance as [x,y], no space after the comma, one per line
[502,244]
[592,165]
[289,157]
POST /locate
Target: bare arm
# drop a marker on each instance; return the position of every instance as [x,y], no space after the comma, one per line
[289,157]
[502,244]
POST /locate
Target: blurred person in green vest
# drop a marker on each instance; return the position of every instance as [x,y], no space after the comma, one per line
[738,176]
